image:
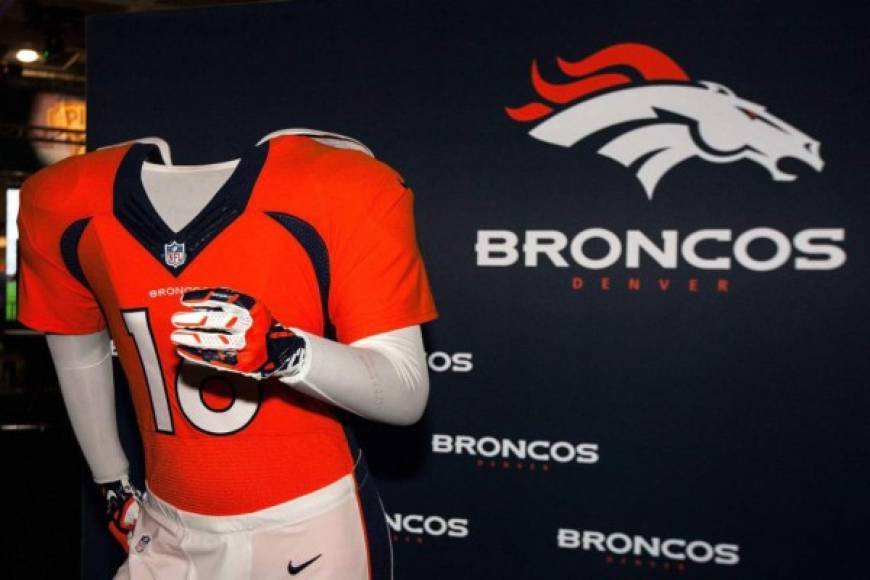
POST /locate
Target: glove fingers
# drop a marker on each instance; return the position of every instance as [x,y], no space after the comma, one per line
[193,355]
[214,333]
[129,513]
[207,340]
[120,536]
[215,306]
[212,320]
[217,298]
[212,358]
[204,356]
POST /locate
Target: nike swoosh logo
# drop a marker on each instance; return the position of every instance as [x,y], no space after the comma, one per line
[297,569]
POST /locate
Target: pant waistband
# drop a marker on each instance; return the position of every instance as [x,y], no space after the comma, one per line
[295,510]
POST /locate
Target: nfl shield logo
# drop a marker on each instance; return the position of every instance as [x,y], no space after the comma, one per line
[174,254]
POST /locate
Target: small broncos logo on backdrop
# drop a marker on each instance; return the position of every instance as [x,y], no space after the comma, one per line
[668,118]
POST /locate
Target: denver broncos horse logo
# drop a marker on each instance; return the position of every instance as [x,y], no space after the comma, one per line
[667,117]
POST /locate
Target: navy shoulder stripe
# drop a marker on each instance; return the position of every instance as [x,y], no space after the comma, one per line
[315,247]
[69,249]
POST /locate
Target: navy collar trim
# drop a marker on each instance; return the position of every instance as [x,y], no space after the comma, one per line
[176,250]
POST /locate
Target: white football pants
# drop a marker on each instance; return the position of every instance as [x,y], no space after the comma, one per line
[319,536]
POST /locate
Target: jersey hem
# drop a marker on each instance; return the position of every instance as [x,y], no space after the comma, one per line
[296,510]
[51,327]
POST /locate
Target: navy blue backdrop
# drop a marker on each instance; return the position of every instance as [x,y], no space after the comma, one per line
[591,416]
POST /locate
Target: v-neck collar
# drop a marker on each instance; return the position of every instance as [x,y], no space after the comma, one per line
[176,250]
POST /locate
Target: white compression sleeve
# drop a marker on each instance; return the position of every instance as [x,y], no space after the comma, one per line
[84,371]
[382,377]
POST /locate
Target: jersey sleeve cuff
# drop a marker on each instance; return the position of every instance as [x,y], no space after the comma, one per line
[352,334]
[57,327]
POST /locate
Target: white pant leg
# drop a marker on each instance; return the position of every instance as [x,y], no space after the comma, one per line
[155,550]
[333,542]
[320,537]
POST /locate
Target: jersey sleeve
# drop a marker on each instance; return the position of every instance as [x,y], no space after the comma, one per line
[50,298]
[379,281]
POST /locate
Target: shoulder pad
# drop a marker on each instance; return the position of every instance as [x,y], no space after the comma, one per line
[324,137]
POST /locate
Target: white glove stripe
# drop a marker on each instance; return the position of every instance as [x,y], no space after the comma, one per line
[212,320]
[217,305]
[210,340]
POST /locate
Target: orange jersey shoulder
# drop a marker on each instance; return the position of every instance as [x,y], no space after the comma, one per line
[339,177]
[363,211]
[56,202]
[71,188]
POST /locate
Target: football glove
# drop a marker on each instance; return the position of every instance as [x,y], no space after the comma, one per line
[231,331]
[123,504]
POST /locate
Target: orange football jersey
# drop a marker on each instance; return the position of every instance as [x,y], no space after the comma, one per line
[324,237]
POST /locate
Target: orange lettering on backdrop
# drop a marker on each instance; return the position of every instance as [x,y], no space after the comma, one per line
[577,283]
[664,284]
[634,283]
[605,283]
[722,285]
[693,284]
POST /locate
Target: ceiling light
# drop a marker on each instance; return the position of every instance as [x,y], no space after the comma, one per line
[27,55]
